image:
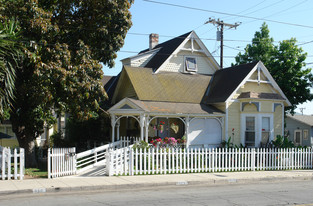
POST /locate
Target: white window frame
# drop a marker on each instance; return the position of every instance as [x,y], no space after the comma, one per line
[255,128]
[258,127]
[294,137]
[186,67]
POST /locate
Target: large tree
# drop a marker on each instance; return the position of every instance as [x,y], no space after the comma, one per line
[10,57]
[285,62]
[66,43]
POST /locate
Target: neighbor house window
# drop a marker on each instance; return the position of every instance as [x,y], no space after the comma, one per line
[297,137]
[305,134]
[250,131]
[191,64]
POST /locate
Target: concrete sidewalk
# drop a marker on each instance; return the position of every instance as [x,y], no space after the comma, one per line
[76,183]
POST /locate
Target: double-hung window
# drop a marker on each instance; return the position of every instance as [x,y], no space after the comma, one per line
[250,131]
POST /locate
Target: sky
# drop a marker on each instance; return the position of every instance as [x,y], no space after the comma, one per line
[286,19]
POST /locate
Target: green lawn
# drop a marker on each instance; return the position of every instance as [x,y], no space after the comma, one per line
[36,173]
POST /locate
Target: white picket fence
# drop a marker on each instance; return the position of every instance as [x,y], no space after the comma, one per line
[64,161]
[61,162]
[129,161]
[12,163]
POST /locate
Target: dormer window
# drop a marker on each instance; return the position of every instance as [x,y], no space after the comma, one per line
[191,64]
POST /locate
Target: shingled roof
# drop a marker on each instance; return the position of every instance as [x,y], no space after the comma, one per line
[306,119]
[165,50]
[167,86]
[175,108]
[225,81]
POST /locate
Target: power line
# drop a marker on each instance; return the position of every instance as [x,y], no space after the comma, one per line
[280,11]
[230,14]
[293,6]
[265,7]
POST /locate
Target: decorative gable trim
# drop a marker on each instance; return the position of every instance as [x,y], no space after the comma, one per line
[260,67]
[124,105]
[194,38]
[257,104]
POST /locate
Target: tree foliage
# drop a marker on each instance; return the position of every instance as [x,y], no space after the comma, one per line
[10,57]
[66,43]
[285,62]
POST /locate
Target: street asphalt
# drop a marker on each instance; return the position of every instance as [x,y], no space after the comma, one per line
[117,183]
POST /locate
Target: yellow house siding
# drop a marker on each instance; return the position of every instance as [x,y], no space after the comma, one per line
[254,87]
[250,108]
[278,121]
[176,63]
[267,106]
[234,122]
[9,143]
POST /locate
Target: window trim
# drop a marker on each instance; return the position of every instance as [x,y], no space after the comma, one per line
[307,134]
[258,128]
[186,65]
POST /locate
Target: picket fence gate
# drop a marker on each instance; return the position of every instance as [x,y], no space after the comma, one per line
[61,162]
[12,163]
[129,161]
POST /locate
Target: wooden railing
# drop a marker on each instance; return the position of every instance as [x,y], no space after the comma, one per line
[64,161]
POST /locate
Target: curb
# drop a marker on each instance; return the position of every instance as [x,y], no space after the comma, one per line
[111,188]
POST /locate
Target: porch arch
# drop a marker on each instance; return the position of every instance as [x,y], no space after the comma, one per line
[116,125]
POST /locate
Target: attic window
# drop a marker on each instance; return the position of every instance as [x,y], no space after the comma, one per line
[191,64]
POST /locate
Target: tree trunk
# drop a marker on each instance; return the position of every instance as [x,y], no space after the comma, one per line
[30,152]
[25,141]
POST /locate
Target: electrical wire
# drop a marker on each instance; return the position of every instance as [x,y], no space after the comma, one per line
[230,14]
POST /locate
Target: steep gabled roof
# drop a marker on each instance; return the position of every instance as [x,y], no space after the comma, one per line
[165,50]
[109,83]
[306,119]
[167,86]
[225,81]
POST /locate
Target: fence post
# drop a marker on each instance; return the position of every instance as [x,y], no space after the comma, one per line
[15,164]
[253,159]
[9,163]
[3,163]
[109,162]
[74,161]
[22,163]
[49,163]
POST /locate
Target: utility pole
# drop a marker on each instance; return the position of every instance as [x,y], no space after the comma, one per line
[221,25]
[301,109]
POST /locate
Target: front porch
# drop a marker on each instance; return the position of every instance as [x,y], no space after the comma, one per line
[199,125]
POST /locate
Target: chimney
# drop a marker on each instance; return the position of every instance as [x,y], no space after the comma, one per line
[153,40]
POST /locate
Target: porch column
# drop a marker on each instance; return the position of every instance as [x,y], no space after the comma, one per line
[142,124]
[118,130]
[147,127]
[187,130]
[113,126]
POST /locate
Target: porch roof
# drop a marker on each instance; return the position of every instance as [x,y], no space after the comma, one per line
[175,108]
